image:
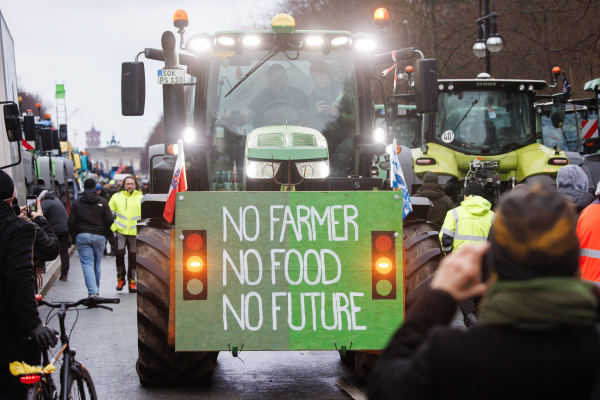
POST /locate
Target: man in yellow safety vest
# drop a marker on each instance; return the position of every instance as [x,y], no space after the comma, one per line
[468,224]
[126,206]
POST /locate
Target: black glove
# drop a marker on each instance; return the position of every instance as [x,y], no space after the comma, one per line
[44,336]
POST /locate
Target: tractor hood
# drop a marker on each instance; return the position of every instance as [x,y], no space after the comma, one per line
[281,142]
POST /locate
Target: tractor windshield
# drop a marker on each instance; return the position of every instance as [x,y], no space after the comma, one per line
[476,122]
[309,89]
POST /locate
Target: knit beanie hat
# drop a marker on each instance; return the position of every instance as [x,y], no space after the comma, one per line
[430,177]
[474,189]
[7,186]
[534,235]
[89,184]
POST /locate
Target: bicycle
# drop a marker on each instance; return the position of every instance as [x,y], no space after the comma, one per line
[75,380]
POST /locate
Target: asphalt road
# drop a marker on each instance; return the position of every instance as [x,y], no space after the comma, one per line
[106,343]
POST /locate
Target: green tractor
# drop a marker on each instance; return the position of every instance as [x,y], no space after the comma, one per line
[274,118]
[485,131]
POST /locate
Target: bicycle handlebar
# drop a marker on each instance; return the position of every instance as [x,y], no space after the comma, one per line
[89,302]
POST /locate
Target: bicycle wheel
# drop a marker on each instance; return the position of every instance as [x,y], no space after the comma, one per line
[81,385]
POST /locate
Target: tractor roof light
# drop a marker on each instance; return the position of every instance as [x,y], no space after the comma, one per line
[557,149]
[199,43]
[340,41]
[381,18]
[314,40]
[424,149]
[251,40]
[226,40]
[521,87]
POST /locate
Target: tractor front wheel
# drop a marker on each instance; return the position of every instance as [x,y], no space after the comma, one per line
[422,251]
[159,364]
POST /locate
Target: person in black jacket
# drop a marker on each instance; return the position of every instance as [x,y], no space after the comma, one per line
[56,215]
[19,317]
[432,190]
[89,221]
[536,337]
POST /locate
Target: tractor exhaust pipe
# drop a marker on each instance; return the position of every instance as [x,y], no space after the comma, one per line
[173,97]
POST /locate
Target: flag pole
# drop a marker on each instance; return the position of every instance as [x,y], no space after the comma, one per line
[575,111]
[394,146]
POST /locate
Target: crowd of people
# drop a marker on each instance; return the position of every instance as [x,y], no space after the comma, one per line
[523,275]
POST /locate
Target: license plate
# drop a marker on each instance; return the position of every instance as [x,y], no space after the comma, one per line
[171,76]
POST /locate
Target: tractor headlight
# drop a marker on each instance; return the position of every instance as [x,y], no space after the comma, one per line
[379,134]
[314,169]
[261,169]
[189,134]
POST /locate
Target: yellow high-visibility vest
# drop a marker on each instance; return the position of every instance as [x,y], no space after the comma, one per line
[468,224]
[127,210]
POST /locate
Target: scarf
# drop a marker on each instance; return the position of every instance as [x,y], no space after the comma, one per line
[539,304]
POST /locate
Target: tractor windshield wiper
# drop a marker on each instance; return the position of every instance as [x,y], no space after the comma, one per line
[259,64]
[467,113]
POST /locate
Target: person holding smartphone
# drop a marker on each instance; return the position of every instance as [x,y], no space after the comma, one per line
[56,215]
[19,317]
[537,335]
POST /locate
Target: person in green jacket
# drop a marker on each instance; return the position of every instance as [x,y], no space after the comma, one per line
[126,206]
[468,224]
[435,193]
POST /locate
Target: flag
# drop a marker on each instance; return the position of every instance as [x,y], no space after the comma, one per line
[398,182]
[60,91]
[178,183]
[566,86]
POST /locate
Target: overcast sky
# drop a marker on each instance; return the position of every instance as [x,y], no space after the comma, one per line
[83,43]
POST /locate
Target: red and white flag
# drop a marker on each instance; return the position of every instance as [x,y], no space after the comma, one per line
[178,183]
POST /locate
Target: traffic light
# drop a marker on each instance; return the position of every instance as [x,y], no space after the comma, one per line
[194,265]
[383,267]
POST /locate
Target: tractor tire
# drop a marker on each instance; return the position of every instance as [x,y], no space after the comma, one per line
[422,253]
[158,364]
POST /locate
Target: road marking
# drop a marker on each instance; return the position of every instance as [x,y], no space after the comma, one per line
[350,389]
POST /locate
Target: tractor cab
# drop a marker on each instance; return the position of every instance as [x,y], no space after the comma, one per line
[485,131]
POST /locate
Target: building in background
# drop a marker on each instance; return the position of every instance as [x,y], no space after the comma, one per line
[114,155]
[92,138]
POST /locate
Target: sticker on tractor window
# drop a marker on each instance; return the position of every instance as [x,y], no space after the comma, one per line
[448,136]
[401,111]
[491,112]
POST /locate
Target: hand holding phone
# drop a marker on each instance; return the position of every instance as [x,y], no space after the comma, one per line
[31,205]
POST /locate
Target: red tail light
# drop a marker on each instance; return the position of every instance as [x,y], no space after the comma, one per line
[195,265]
[29,379]
[558,161]
[425,161]
[383,267]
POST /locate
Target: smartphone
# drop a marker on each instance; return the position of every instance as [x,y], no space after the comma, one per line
[31,204]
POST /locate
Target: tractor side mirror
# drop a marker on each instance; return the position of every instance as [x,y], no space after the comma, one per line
[391,113]
[29,127]
[12,122]
[62,133]
[426,86]
[557,114]
[46,139]
[133,88]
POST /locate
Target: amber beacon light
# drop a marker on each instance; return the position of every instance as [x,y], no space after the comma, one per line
[180,19]
[195,283]
[382,18]
[383,267]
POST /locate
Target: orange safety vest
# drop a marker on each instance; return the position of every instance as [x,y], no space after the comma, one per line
[588,232]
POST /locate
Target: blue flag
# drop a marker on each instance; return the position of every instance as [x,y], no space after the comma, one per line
[398,182]
[566,86]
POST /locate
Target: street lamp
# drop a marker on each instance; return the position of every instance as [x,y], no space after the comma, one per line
[489,40]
